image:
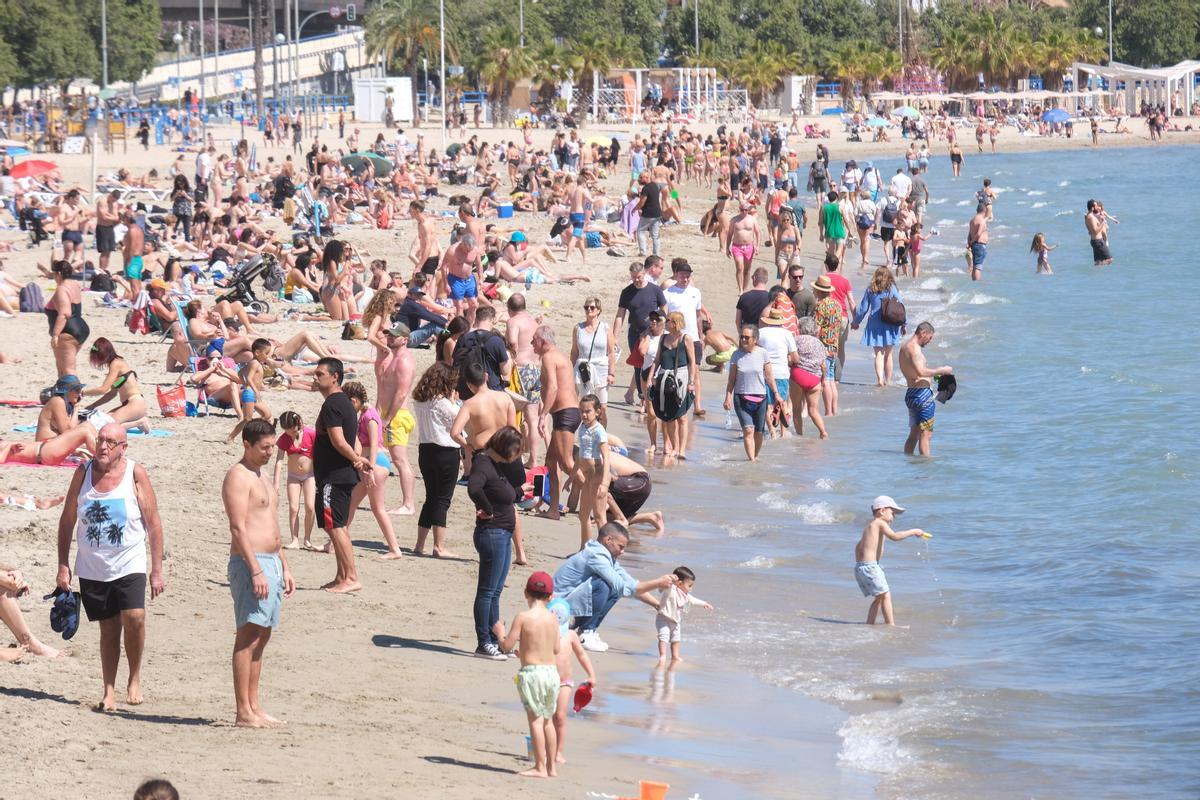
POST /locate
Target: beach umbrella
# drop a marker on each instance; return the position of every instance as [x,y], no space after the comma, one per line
[877,122]
[33,168]
[357,162]
[1055,115]
[906,111]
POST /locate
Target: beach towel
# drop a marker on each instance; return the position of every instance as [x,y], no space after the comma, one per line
[20,404]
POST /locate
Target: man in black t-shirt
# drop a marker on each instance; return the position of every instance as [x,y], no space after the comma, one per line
[336,467]
[650,207]
[753,302]
[637,300]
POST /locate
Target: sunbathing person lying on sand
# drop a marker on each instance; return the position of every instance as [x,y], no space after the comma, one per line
[12,586]
[51,452]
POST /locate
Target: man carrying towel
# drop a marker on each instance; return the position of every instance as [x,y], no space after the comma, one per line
[113,511]
[258,572]
[592,582]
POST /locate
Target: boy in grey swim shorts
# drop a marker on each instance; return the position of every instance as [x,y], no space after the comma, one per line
[868,552]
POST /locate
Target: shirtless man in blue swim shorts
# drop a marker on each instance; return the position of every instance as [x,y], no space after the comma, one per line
[462,263]
[259,578]
[920,396]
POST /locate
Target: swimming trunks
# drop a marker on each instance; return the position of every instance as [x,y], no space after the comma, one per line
[716,359]
[956,158]
[630,492]
[576,223]
[537,686]
[333,505]
[430,266]
[248,395]
[133,270]
[216,345]
[1100,251]
[870,578]
[401,425]
[529,382]
[921,407]
[746,251]
[73,236]
[567,419]
[979,253]
[463,288]
[106,238]
[248,608]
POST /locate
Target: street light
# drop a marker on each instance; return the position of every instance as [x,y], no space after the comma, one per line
[279,39]
[178,40]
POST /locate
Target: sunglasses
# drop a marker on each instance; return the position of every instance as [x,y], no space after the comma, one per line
[799,277]
[591,308]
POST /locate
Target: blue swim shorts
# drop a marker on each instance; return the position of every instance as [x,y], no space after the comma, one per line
[978,253]
[921,407]
[462,288]
[576,223]
[133,270]
[831,366]
[871,579]
[248,609]
[248,395]
[778,392]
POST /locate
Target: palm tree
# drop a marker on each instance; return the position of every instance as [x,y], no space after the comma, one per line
[596,55]
[258,14]
[846,64]
[883,64]
[502,62]
[996,48]
[555,64]
[760,69]
[401,30]
[951,59]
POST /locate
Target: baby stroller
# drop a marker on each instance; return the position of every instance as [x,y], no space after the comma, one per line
[239,285]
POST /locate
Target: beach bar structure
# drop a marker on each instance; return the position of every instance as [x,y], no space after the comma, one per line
[1172,87]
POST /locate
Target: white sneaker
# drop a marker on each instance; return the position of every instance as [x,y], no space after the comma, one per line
[592,641]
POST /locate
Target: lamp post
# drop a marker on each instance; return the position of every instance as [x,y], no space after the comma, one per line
[279,39]
[178,40]
[521,17]
[442,87]
[200,7]
[104,44]
[1110,33]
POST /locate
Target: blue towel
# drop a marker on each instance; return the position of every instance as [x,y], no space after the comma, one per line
[134,432]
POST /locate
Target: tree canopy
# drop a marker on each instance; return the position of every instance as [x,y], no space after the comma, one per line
[56,41]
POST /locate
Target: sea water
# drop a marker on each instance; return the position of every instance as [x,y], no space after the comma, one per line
[1054,638]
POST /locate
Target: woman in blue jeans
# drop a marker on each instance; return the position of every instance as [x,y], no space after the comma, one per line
[746,392]
[497,481]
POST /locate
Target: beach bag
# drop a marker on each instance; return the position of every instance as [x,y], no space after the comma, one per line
[864,220]
[136,321]
[172,402]
[31,299]
[892,312]
[102,283]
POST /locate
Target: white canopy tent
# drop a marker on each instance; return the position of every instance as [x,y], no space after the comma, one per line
[1169,86]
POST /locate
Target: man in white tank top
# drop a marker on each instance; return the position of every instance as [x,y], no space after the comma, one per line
[112,511]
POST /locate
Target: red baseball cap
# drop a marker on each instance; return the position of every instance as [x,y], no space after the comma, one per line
[540,582]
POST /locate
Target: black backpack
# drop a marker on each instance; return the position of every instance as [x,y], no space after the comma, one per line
[470,350]
[890,211]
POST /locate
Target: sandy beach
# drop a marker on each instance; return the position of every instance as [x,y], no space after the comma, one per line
[379,689]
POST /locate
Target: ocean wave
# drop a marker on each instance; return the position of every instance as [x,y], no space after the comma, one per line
[977,298]
[824,484]
[931,283]
[1066,213]
[741,530]
[1063,183]
[819,513]
[963,203]
[1034,193]
[759,562]
[938,201]
[945,223]
[868,746]
[1039,205]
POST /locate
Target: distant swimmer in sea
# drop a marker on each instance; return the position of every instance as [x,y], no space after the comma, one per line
[1042,249]
[920,395]
[869,551]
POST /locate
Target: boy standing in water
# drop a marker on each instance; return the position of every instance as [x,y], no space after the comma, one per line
[869,551]
[536,631]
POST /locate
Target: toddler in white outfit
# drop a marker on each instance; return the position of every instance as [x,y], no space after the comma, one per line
[673,603]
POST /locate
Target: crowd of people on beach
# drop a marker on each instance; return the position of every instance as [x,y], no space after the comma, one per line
[509,407]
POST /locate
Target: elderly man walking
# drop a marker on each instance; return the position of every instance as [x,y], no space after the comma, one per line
[592,581]
[113,512]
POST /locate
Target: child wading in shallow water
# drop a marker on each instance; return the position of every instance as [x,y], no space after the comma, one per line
[869,551]
[673,602]
[1042,249]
